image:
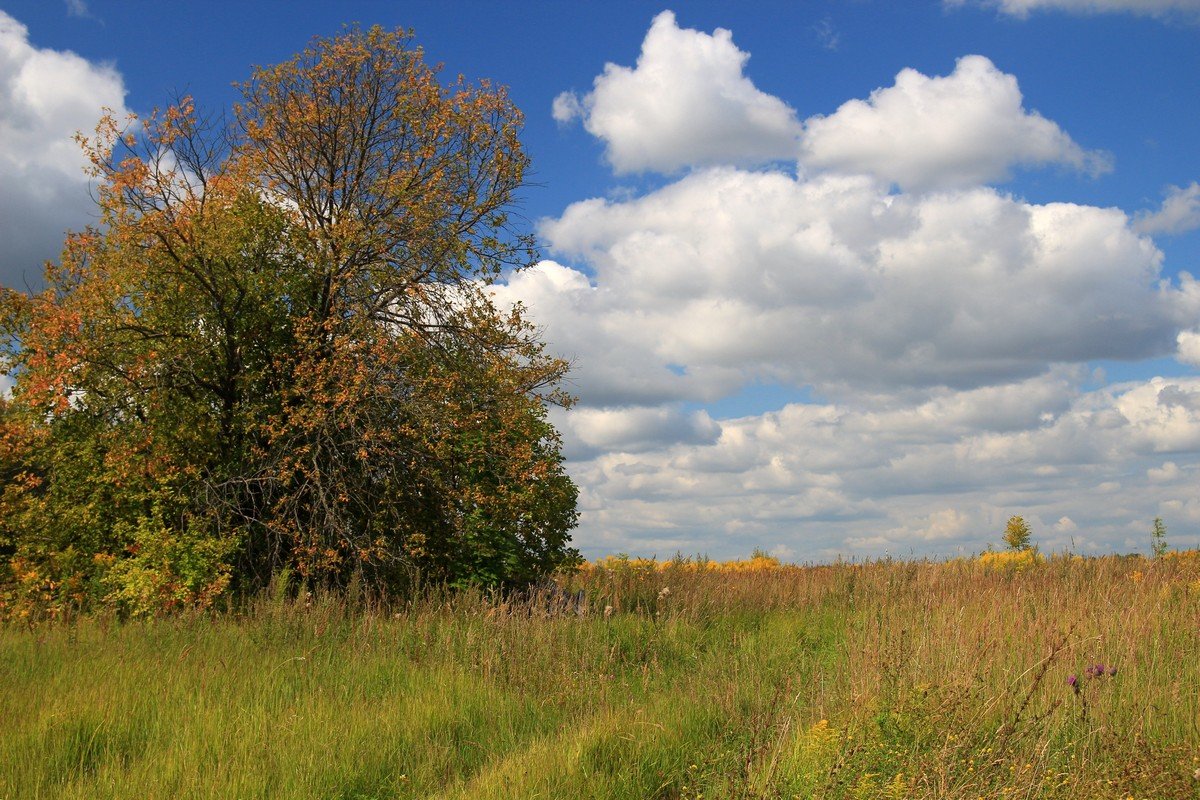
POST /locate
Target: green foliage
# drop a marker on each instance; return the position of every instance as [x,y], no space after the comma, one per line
[1158,538]
[166,569]
[277,353]
[1017,534]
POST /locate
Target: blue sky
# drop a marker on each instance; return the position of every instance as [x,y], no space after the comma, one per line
[837,277]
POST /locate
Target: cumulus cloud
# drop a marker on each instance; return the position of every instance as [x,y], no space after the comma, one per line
[1179,212]
[941,328]
[941,525]
[1169,471]
[612,362]
[823,479]
[1188,343]
[591,431]
[686,103]
[726,277]
[967,128]
[1022,8]
[46,96]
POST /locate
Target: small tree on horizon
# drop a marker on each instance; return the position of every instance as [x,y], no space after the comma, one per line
[1017,534]
[1158,538]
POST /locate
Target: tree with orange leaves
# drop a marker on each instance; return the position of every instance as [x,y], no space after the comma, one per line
[277,350]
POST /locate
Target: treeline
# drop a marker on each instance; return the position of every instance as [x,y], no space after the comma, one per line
[276,351]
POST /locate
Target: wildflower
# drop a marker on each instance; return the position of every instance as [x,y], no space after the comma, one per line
[608,611]
[1112,672]
[664,592]
[1073,682]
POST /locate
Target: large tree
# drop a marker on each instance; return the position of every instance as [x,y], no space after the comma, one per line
[277,349]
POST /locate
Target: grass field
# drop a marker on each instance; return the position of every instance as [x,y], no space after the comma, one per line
[679,680]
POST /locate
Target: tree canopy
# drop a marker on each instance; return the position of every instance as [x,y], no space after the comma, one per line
[1017,534]
[276,350]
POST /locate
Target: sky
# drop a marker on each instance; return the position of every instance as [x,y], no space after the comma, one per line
[843,278]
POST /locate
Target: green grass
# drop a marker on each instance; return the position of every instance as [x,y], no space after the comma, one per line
[883,680]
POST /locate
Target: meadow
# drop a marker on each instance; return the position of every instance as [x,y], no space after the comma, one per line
[1004,676]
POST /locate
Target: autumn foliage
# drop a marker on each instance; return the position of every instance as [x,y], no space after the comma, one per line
[276,353]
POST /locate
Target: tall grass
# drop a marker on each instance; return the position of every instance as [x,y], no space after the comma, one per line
[676,680]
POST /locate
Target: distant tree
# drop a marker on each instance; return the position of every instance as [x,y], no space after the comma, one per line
[1158,538]
[1017,535]
[278,350]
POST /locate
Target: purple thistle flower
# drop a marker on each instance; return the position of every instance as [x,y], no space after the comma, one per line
[1073,682]
[1112,671]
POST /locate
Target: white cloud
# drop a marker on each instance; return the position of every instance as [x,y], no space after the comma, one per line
[686,103]
[1163,414]
[945,328]
[728,277]
[613,364]
[633,430]
[1169,471]
[1179,212]
[46,96]
[946,524]
[1021,8]
[1066,525]
[566,108]
[1189,347]
[824,479]
[967,128]
[930,470]
[827,34]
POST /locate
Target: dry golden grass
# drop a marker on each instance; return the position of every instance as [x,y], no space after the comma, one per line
[683,679]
